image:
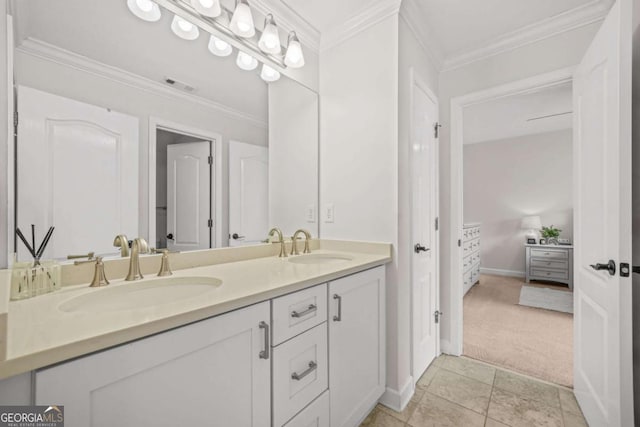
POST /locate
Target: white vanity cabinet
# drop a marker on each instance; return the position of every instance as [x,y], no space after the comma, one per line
[210,373]
[356,345]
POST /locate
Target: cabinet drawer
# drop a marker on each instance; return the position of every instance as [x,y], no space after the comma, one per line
[551,274]
[314,415]
[300,373]
[298,312]
[555,264]
[467,262]
[549,253]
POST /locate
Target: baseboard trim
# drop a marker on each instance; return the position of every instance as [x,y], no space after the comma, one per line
[398,400]
[500,272]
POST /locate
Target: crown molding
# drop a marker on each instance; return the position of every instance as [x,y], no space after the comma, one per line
[366,18]
[289,20]
[43,50]
[589,13]
[410,13]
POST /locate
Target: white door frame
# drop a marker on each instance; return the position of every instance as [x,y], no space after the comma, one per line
[458,104]
[415,80]
[156,123]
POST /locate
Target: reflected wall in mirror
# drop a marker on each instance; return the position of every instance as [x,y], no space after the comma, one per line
[127,129]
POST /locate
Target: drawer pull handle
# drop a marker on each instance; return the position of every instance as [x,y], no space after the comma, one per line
[312,367]
[264,354]
[309,310]
[338,317]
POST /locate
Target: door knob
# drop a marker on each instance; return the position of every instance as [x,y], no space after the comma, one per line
[235,236]
[419,248]
[170,236]
[610,267]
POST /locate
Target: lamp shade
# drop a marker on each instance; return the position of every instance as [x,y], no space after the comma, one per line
[242,20]
[531,223]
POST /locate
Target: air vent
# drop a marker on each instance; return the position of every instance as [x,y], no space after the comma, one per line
[185,87]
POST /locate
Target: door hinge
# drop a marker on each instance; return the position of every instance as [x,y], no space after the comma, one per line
[210,223]
[436,129]
[15,119]
[437,315]
[459,243]
[437,223]
[210,160]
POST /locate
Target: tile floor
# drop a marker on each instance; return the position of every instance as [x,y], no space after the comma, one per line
[460,392]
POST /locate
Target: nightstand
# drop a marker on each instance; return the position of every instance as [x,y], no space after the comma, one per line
[550,262]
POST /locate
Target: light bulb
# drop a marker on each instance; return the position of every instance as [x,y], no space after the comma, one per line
[268,74]
[294,57]
[246,61]
[184,29]
[210,8]
[219,47]
[270,39]
[145,10]
[242,20]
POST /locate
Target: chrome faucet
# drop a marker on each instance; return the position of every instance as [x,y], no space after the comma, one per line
[283,249]
[139,246]
[294,242]
[121,242]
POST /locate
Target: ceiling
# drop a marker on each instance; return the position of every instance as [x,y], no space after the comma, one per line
[106,31]
[327,14]
[509,117]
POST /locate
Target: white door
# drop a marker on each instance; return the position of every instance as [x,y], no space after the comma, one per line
[248,193]
[424,196]
[189,176]
[603,381]
[77,168]
[209,373]
[356,345]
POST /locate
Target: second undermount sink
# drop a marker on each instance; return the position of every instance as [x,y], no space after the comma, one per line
[135,295]
[320,259]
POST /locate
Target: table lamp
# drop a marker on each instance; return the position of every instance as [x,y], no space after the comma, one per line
[531,224]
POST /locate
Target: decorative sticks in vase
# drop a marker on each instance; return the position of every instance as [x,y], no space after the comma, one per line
[37,277]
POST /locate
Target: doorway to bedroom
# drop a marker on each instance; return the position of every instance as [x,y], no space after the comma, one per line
[518,231]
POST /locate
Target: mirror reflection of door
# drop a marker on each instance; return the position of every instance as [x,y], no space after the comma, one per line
[248,193]
[184,197]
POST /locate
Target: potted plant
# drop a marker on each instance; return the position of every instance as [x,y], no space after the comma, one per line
[550,234]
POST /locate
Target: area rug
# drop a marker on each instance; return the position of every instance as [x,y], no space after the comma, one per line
[549,299]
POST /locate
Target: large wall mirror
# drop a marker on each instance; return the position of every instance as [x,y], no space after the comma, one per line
[124,128]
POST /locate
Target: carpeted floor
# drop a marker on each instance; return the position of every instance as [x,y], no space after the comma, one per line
[532,341]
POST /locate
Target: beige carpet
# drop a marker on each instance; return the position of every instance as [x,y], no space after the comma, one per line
[529,340]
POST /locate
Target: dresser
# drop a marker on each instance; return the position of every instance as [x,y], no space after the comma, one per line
[550,262]
[471,255]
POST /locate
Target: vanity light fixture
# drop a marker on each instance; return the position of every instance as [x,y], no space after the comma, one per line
[293,57]
[219,47]
[184,29]
[246,61]
[242,20]
[270,39]
[268,74]
[146,10]
[210,8]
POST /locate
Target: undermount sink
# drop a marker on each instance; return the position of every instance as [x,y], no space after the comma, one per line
[144,294]
[319,259]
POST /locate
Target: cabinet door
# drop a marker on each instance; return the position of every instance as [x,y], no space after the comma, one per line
[209,373]
[356,345]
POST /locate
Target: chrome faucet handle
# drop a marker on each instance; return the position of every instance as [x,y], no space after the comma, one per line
[99,277]
[165,269]
[121,242]
[283,248]
[307,237]
[90,256]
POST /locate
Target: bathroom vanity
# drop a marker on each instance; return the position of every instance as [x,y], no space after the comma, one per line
[293,341]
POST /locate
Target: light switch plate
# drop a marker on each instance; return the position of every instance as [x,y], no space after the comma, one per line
[310,213]
[328,212]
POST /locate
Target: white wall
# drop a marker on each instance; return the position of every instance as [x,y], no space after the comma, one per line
[563,50]
[293,156]
[509,179]
[4,190]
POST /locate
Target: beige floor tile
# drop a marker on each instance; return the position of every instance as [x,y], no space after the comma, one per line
[520,411]
[470,368]
[438,361]
[433,411]
[408,410]
[379,418]
[568,402]
[574,420]
[526,387]
[494,423]
[426,378]
[467,392]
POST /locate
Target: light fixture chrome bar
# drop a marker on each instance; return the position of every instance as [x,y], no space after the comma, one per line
[220,28]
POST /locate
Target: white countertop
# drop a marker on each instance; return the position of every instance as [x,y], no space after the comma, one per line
[40,334]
